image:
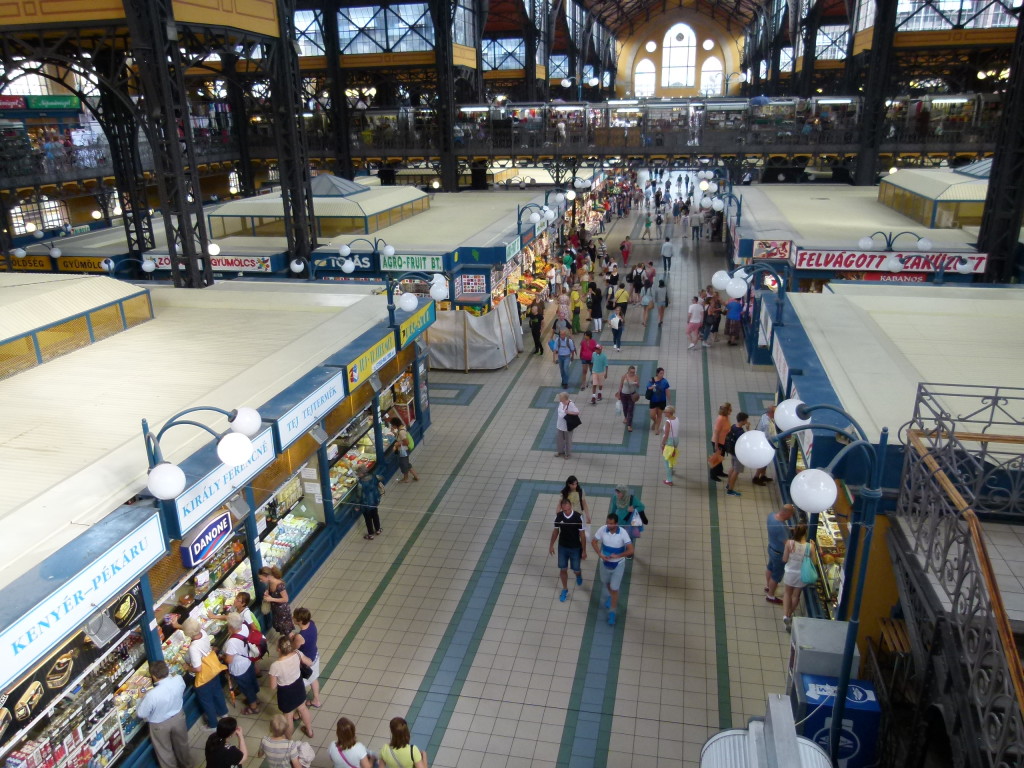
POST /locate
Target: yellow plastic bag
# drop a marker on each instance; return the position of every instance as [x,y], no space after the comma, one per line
[669,454]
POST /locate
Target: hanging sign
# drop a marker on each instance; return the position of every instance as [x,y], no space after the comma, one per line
[874,261]
[409,263]
[53,102]
[31,264]
[513,247]
[203,497]
[772,249]
[296,422]
[81,264]
[371,361]
[260,264]
[29,638]
[12,102]
[416,324]
[200,545]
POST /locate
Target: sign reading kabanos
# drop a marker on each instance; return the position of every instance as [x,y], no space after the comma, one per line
[874,261]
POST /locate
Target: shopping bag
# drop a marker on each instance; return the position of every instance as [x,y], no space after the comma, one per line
[618,407]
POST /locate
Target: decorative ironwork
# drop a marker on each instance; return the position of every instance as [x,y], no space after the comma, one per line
[943,536]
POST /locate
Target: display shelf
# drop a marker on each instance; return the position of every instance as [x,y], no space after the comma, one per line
[286,541]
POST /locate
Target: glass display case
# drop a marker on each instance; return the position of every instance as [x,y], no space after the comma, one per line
[350,450]
[291,518]
[403,404]
[830,552]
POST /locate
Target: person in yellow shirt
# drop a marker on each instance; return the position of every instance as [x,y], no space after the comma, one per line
[621,299]
[576,305]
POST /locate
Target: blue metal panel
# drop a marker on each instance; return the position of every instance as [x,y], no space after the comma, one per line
[358,346]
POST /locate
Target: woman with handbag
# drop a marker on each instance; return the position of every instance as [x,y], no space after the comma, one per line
[629,394]
[276,597]
[669,442]
[206,667]
[568,419]
[797,557]
[287,678]
[304,640]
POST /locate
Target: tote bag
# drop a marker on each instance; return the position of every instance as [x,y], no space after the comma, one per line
[808,573]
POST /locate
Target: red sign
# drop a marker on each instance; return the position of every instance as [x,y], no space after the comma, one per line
[874,261]
[899,277]
[12,102]
[772,249]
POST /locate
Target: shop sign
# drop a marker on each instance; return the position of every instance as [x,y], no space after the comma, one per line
[259,264]
[416,324]
[772,249]
[513,247]
[201,544]
[53,102]
[53,676]
[898,277]
[539,227]
[209,493]
[404,262]
[371,361]
[296,422]
[764,330]
[32,264]
[12,102]
[28,639]
[780,364]
[873,261]
[805,436]
[362,261]
[81,264]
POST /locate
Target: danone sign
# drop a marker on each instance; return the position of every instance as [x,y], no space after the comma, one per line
[200,545]
[874,261]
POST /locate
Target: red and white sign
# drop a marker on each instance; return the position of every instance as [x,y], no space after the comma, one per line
[898,277]
[873,261]
[12,102]
[772,249]
[226,263]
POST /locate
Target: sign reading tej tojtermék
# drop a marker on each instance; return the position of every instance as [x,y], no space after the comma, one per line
[27,640]
[297,421]
[408,263]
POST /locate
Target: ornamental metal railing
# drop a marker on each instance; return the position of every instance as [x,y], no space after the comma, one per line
[952,437]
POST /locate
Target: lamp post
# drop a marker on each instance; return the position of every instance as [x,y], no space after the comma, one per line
[234,447]
[739,77]
[814,491]
[567,83]
[939,264]
[110,266]
[867,242]
[736,283]
[539,212]
[408,302]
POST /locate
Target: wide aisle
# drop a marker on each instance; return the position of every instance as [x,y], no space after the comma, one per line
[452,618]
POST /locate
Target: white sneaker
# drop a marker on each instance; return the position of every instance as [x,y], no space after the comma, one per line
[691,346]
[706,344]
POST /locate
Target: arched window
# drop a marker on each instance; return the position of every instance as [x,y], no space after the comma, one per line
[644,79]
[711,76]
[679,57]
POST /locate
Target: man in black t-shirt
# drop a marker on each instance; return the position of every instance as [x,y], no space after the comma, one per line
[572,546]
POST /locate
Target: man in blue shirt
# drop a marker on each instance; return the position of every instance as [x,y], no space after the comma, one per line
[733,325]
[161,707]
[565,351]
[613,546]
[778,535]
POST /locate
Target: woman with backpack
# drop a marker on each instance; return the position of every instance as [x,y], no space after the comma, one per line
[241,654]
[402,448]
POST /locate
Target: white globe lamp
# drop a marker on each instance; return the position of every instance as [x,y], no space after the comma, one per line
[387,251]
[213,249]
[866,243]
[963,266]
[708,44]
[148,265]
[234,449]
[566,82]
[924,244]
[813,491]
[559,198]
[56,252]
[439,291]
[736,288]
[754,449]
[718,204]
[534,217]
[296,266]
[550,216]
[107,265]
[344,250]
[570,195]
[720,279]
[712,187]
[892,264]
[786,416]
[246,421]
[19,253]
[348,266]
[96,215]
[408,302]
[705,203]
[166,481]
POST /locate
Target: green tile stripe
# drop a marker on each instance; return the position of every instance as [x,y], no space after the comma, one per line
[717,579]
[583,662]
[385,582]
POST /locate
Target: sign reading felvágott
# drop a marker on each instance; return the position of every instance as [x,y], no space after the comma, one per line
[300,418]
[32,636]
[197,502]
[874,261]
[403,262]
[371,361]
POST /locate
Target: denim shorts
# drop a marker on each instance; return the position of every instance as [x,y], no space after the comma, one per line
[775,565]
[569,556]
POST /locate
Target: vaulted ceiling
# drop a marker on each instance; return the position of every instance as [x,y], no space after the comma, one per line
[623,17]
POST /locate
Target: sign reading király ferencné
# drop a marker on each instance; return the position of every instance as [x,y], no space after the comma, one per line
[874,261]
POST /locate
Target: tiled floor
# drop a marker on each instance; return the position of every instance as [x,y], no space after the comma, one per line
[452,617]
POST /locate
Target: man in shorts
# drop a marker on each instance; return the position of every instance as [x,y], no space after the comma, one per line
[613,546]
[599,364]
[778,535]
[571,545]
